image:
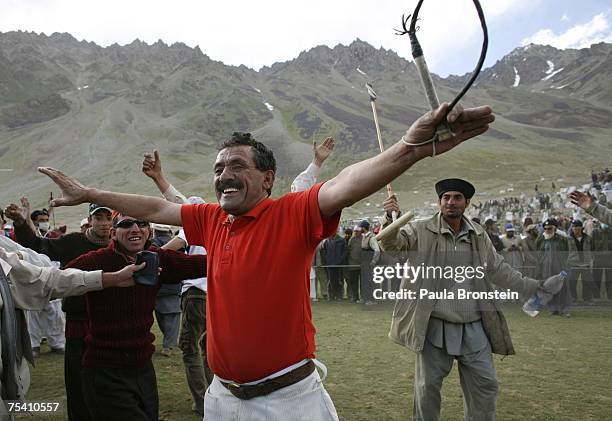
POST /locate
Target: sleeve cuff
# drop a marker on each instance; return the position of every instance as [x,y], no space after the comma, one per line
[592,207]
[93,280]
[173,195]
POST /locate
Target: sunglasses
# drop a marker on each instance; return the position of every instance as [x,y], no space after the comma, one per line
[127,223]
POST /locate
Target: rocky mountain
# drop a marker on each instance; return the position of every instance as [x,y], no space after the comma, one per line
[93,111]
[581,73]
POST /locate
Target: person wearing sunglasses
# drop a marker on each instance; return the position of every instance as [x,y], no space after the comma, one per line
[118,377]
[261,338]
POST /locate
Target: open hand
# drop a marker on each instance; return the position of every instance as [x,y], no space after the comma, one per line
[25,205]
[73,192]
[322,151]
[583,200]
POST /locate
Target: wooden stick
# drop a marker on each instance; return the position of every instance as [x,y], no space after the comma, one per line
[394,226]
[380,144]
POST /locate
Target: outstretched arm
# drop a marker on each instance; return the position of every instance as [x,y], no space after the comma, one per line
[147,208]
[33,287]
[586,202]
[366,177]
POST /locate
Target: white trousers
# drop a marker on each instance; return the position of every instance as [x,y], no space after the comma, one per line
[50,323]
[306,400]
[313,283]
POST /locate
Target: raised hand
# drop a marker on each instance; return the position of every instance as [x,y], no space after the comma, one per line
[73,192]
[322,151]
[16,213]
[391,205]
[465,124]
[151,165]
[583,200]
[26,208]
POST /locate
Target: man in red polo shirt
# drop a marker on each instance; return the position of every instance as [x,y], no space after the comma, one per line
[260,331]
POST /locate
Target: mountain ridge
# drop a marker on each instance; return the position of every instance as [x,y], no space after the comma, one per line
[94,110]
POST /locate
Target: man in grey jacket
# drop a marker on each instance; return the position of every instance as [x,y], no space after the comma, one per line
[28,282]
[441,327]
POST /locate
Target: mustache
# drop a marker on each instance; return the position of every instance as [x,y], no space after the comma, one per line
[222,185]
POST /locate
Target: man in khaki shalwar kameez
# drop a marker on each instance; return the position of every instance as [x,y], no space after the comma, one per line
[442,330]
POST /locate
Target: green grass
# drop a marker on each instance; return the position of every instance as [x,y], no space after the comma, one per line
[561,370]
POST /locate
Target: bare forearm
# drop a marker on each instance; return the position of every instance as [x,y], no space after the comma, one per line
[175,244]
[152,209]
[364,178]
[109,279]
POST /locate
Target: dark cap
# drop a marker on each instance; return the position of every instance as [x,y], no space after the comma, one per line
[364,224]
[38,212]
[455,184]
[551,221]
[93,208]
[577,223]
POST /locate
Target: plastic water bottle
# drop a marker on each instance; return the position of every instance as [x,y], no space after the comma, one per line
[543,295]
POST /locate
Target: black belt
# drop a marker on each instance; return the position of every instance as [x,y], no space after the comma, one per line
[250,391]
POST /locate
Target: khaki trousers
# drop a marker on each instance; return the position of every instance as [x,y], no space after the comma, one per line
[478,382]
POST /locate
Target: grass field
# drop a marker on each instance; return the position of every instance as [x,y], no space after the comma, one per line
[562,369]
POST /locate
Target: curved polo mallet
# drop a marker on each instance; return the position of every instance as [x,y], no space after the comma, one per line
[373,97]
[443,131]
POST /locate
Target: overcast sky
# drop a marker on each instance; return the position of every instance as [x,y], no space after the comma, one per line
[258,33]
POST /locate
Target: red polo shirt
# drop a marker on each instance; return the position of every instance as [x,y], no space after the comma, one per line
[259,319]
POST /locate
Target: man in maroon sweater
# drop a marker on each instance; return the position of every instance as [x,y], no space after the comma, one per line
[118,377]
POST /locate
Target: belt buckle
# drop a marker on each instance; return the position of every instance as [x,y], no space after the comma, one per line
[236,390]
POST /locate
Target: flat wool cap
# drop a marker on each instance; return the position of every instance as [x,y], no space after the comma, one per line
[455,184]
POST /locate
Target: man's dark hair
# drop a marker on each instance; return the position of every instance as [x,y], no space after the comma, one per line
[264,158]
[34,215]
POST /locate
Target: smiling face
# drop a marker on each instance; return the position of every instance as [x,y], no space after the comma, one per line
[239,185]
[130,238]
[453,204]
